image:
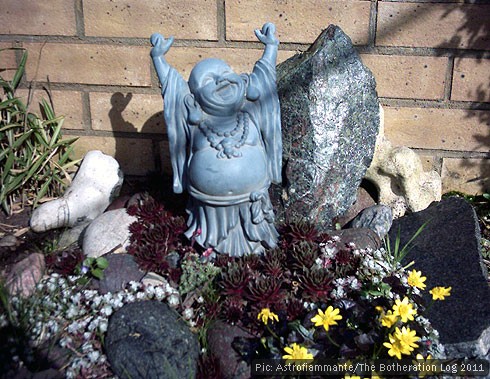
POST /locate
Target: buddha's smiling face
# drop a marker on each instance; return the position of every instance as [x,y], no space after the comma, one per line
[219,91]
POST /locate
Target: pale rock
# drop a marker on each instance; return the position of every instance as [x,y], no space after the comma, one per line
[399,177]
[24,275]
[153,279]
[108,233]
[96,184]
[73,235]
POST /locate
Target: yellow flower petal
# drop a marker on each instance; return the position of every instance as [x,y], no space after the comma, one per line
[265,315]
[327,318]
[440,293]
[295,352]
[404,309]
[415,279]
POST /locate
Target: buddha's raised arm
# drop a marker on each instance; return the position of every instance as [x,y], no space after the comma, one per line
[160,48]
[268,38]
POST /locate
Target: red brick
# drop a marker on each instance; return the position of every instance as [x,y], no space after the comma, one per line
[407,77]
[50,17]
[444,129]
[192,19]
[433,25]
[470,176]
[297,21]
[471,80]
[89,64]
[127,112]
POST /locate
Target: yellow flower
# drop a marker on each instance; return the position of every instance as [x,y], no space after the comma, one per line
[265,315]
[404,309]
[401,342]
[328,318]
[296,352]
[389,319]
[439,293]
[407,338]
[394,347]
[415,279]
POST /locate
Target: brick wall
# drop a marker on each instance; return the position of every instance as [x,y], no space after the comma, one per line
[431,60]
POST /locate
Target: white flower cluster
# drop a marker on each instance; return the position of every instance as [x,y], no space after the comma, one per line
[342,285]
[375,266]
[78,318]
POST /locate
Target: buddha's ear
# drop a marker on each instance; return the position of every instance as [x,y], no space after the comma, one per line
[251,93]
[193,109]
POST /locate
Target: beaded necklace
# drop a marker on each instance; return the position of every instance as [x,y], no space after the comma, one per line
[225,142]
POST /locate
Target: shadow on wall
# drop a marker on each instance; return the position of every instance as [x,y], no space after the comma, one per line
[157,181]
[124,152]
[475,35]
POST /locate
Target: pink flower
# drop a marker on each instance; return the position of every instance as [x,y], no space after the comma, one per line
[208,252]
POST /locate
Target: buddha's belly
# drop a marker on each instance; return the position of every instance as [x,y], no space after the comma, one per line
[227,177]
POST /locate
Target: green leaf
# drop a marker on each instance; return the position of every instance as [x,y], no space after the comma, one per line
[101,263]
[98,273]
[21,140]
[20,70]
[8,165]
[42,191]
[36,166]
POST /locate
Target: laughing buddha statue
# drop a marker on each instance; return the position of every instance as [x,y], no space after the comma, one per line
[225,142]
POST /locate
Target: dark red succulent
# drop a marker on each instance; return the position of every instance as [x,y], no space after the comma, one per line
[273,263]
[304,254]
[295,309]
[233,309]
[64,262]
[316,283]
[234,278]
[265,291]
[298,232]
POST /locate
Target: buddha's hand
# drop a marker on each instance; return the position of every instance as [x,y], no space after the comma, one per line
[266,35]
[160,44]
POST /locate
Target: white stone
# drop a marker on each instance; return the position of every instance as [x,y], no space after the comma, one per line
[153,279]
[96,183]
[108,233]
[399,177]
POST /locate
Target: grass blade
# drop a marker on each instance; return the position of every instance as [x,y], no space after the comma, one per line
[20,71]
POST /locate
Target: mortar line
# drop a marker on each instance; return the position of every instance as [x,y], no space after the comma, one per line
[221,21]
[373,22]
[449,78]
[79,18]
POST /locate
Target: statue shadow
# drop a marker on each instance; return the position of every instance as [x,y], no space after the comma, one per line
[474,33]
[157,181]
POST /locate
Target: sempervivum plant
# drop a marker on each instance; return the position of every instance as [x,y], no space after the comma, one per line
[157,240]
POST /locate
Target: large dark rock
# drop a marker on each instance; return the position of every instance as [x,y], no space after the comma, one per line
[448,254]
[147,340]
[330,121]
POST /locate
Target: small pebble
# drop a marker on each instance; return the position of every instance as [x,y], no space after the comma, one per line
[9,241]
